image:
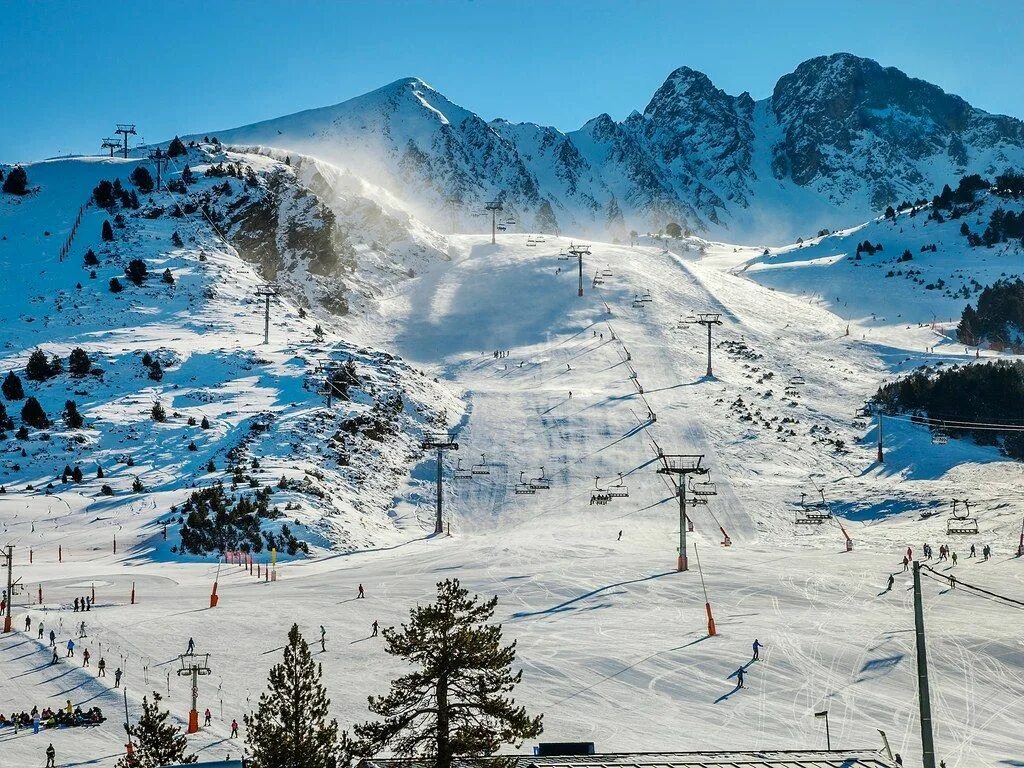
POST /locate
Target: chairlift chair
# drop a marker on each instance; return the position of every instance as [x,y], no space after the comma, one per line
[606,272]
[703,489]
[961,523]
[460,473]
[940,438]
[797,381]
[523,487]
[481,468]
[501,227]
[619,490]
[541,483]
[647,295]
[599,495]
[637,301]
[814,512]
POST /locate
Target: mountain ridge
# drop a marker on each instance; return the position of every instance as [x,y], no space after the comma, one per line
[839,138]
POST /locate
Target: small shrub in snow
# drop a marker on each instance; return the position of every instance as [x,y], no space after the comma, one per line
[115,285]
[106,490]
[33,415]
[12,388]
[136,271]
[137,486]
[155,371]
[158,413]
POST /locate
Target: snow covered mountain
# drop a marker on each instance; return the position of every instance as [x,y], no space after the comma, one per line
[838,139]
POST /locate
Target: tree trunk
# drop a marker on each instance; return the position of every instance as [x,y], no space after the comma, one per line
[444,749]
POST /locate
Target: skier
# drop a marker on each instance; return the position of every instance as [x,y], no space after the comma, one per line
[757,649]
[620,536]
[81,630]
[55,658]
[905,563]
[117,677]
[28,624]
[323,639]
[974,551]
[191,647]
[51,755]
[88,603]
[374,627]
[570,394]
[568,367]
[53,639]
[739,677]
[234,728]
[953,557]
[360,593]
[899,760]
[910,554]
[39,626]
[102,667]
[71,649]
[85,658]
[76,605]
[208,717]
[952,581]
[892,580]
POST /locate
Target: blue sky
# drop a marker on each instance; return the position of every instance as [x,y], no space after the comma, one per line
[69,71]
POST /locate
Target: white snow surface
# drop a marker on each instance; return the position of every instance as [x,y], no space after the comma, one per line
[612,640]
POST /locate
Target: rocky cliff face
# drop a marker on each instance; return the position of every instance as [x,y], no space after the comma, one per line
[838,139]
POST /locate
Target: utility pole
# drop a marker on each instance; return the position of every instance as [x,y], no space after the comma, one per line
[111,144]
[579,251]
[194,666]
[440,443]
[878,414]
[494,207]
[159,159]
[267,290]
[707,319]
[682,466]
[126,130]
[924,699]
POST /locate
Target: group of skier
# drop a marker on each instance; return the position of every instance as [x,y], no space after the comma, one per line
[740,673]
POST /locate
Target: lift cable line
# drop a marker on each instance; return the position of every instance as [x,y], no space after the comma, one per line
[439,442]
[962,584]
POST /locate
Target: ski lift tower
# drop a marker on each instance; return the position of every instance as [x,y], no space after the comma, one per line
[707,319]
[267,290]
[681,466]
[439,442]
[195,666]
[578,252]
[126,130]
[13,585]
[495,207]
[111,144]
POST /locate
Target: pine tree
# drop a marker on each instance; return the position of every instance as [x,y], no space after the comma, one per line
[155,371]
[143,179]
[457,702]
[90,259]
[6,422]
[156,741]
[72,417]
[672,229]
[115,285]
[168,277]
[137,486]
[76,474]
[205,423]
[158,412]
[99,471]
[176,239]
[16,182]
[187,176]
[12,388]
[289,728]
[108,231]
[136,271]
[176,148]
[39,368]
[33,415]
[79,363]
[103,194]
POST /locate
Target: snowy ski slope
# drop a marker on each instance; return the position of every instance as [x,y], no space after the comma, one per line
[612,640]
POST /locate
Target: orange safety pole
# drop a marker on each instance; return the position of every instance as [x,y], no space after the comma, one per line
[712,631]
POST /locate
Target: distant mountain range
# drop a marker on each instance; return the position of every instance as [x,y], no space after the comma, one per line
[839,139]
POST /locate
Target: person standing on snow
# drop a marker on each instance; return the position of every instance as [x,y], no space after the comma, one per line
[53,639]
[117,677]
[71,649]
[739,677]
[953,557]
[39,626]
[905,564]
[757,649]
[191,647]
[323,639]
[207,717]
[234,729]
[892,580]
[374,627]
[360,593]
[51,755]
